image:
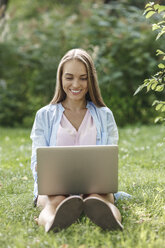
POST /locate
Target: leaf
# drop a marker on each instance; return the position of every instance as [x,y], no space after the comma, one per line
[158,102]
[161,66]
[148,9]
[149,4]
[157,119]
[149,14]
[160,34]
[159,52]
[156,6]
[158,74]
[158,106]
[162,22]
[155,102]
[153,86]
[146,81]
[161,8]
[139,89]
[159,88]
[155,27]
[148,87]
[163,109]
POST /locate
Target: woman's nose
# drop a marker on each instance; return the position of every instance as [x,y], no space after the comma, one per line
[75,82]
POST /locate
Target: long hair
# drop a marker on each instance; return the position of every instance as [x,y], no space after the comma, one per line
[93,93]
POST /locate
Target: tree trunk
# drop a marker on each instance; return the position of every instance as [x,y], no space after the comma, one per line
[3,7]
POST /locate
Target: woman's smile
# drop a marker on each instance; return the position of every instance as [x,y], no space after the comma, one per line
[75,92]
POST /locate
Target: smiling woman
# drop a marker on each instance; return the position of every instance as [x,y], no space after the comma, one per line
[76,115]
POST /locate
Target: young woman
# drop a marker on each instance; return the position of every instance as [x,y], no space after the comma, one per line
[76,115]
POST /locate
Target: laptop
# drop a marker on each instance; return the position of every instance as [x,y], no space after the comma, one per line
[77,169]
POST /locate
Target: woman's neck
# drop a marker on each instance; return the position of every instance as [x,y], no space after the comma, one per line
[74,105]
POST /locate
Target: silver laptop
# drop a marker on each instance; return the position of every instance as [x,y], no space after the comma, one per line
[77,169]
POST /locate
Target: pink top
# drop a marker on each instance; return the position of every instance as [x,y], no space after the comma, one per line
[67,135]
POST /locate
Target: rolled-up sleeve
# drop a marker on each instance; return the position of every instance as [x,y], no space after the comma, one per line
[38,136]
[112,130]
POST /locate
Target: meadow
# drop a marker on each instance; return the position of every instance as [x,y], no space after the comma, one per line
[141,174]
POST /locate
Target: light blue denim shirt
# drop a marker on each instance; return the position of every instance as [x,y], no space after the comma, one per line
[47,121]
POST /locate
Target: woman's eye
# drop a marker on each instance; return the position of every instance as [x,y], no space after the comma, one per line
[83,78]
[69,78]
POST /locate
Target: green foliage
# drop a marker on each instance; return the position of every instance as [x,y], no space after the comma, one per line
[141,173]
[157,82]
[37,34]
[123,48]
[138,3]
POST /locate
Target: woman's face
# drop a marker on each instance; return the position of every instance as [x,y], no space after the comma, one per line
[75,80]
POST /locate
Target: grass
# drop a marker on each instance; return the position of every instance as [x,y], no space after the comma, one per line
[141,173]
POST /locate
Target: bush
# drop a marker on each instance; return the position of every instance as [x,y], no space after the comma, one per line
[157,82]
[116,35]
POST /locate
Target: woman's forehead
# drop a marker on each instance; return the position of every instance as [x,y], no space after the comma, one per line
[74,67]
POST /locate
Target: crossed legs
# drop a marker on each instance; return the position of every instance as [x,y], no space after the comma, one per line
[58,212]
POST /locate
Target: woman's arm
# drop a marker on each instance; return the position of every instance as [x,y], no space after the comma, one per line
[38,136]
[112,130]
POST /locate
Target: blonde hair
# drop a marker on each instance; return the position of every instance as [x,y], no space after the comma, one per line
[93,93]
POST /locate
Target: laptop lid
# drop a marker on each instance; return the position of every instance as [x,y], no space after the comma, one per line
[77,169]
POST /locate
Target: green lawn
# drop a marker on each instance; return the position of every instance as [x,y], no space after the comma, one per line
[141,173]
